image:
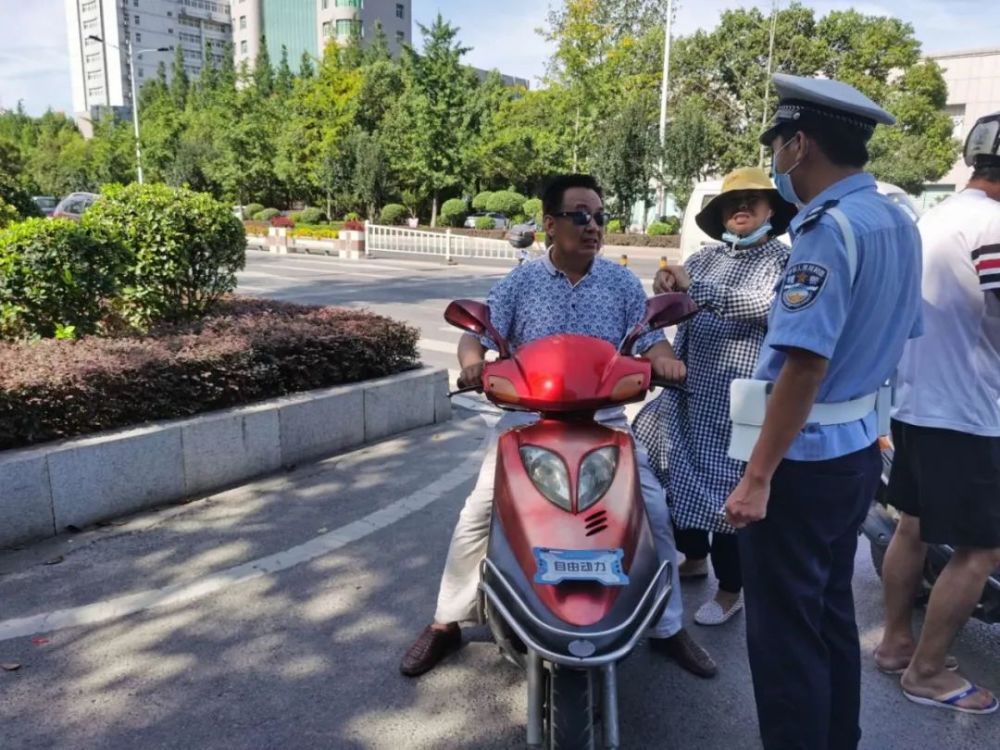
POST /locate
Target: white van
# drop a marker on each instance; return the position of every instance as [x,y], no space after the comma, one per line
[693,239]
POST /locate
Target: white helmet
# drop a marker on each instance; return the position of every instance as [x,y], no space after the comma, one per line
[982,147]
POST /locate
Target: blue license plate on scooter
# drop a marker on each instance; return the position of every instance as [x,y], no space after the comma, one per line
[602,566]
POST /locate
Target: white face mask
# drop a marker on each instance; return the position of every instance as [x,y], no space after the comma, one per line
[783,180]
[748,240]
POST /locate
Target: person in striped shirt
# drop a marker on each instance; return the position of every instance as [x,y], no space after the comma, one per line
[946,430]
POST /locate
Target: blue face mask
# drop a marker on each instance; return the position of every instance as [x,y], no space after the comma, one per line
[783,180]
[749,240]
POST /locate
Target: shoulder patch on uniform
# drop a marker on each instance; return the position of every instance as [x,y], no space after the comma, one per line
[814,216]
[802,284]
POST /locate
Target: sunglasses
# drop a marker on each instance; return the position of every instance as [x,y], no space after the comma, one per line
[583,218]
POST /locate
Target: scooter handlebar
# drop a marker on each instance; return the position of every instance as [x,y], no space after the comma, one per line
[672,384]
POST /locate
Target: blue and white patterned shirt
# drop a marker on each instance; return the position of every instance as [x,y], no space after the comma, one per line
[536,300]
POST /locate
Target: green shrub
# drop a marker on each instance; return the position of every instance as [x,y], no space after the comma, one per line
[8,214]
[252,209]
[658,229]
[55,278]
[480,201]
[485,222]
[614,226]
[310,215]
[184,249]
[352,216]
[532,208]
[266,214]
[454,212]
[14,195]
[394,213]
[246,350]
[506,202]
[673,224]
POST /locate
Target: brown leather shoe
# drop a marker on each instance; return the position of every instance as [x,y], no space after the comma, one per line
[682,648]
[430,648]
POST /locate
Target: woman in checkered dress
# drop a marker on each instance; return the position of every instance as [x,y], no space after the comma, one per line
[687,431]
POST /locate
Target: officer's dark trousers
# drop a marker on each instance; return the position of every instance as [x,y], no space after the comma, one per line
[801,633]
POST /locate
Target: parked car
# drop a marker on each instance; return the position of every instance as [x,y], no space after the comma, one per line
[74,205]
[499,220]
[693,239]
[46,203]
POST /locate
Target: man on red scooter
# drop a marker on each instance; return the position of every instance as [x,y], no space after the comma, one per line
[571,289]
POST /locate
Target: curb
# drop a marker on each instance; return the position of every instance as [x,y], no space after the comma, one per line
[77,482]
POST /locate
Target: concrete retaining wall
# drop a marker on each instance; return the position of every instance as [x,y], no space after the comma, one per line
[77,482]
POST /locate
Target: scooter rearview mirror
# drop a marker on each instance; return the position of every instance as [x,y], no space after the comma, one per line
[474,317]
[662,310]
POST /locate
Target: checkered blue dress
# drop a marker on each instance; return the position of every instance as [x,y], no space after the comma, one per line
[687,434]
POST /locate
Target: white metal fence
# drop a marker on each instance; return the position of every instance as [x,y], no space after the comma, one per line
[443,244]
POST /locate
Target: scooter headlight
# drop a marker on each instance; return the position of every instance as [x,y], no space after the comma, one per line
[549,475]
[596,475]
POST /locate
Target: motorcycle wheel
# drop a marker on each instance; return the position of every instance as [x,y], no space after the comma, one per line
[570,710]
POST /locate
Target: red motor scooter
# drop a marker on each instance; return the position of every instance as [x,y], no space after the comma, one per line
[571,578]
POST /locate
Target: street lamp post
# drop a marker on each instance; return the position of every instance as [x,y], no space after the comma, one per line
[135,99]
[664,93]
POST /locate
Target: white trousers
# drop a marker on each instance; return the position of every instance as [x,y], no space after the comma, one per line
[460,581]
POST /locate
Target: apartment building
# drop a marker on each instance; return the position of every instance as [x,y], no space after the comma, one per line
[100,70]
[305,26]
[973,78]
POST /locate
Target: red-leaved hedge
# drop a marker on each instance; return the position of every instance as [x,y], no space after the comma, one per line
[245,351]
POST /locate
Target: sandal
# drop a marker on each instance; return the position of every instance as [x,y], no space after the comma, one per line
[949,701]
[950,663]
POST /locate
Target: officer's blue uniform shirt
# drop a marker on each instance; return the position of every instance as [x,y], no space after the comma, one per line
[817,309]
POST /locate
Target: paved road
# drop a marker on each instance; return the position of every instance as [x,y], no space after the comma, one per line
[274,615]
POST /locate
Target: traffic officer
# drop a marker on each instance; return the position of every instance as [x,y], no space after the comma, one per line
[848,301]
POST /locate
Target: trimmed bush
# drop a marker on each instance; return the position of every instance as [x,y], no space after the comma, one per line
[266,214]
[642,240]
[506,202]
[250,210]
[282,221]
[14,195]
[485,222]
[394,213]
[247,350]
[673,224]
[657,229]
[532,208]
[352,216]
[8,214]
[454,212]
[354,225]
[184,249]
[55,279]
[480,201]
[614,226]
[307,216]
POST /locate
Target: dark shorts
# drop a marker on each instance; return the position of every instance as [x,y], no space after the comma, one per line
[950,481]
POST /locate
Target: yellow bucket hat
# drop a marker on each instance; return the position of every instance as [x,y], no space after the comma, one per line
[746,179]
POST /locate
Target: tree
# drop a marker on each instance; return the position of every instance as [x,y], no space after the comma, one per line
[372,179]
[430,122]
[726,70]
[627,162]
[263,75]
[284,79]
[692,140]
[306,67]
[179,83]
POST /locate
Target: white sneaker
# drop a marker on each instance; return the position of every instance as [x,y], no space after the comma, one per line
[712,613]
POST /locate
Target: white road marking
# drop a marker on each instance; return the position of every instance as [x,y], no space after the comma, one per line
[98,612]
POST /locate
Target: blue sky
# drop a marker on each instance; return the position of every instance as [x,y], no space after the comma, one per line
[34,65]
